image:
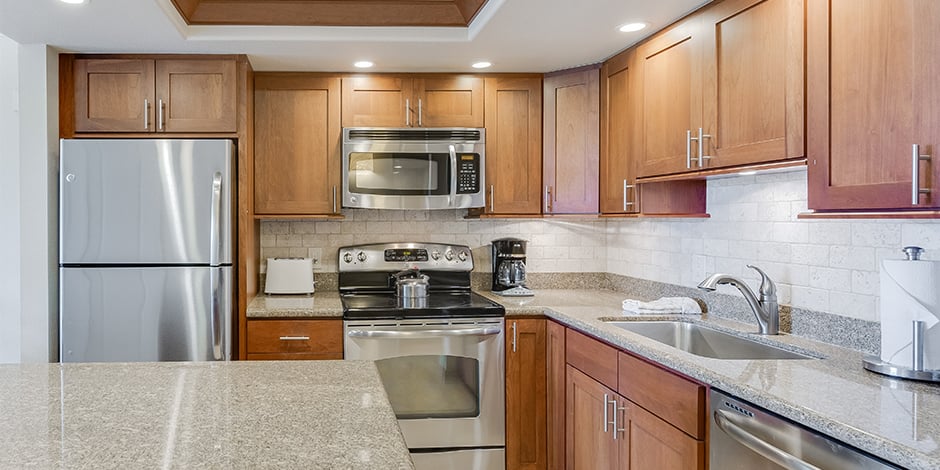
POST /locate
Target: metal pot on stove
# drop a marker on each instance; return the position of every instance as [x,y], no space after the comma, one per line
[411,288]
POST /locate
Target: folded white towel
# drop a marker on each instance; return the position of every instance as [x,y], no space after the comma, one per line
[664,305]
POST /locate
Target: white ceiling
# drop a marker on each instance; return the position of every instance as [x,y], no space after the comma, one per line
[515,35]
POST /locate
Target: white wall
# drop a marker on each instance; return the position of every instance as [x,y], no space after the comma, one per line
[30,256]
[9,202]
[823,265]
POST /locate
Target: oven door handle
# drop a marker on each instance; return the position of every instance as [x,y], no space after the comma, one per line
[423,334]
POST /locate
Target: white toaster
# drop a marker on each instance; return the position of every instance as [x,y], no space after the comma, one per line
[289,276]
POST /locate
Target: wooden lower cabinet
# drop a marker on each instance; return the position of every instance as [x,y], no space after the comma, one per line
[295,339]
[589,442]
[656,444]
[526,395]
[555,367]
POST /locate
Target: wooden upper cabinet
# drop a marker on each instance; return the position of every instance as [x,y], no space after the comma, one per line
[114,95]
[753,98]
[618,194]
[196,95]
[513,145]
[669,66]
[164,95]
[871,97]
[406,101]
[526,407]
[297,144]
[570,149]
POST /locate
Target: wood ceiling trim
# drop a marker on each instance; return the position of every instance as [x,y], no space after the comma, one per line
[438,13]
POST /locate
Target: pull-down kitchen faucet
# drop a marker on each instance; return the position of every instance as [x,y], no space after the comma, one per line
[765,309]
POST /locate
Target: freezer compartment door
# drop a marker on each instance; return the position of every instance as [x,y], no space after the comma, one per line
[146,201]
[145,314]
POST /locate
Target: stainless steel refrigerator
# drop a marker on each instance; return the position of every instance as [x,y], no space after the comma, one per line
[145,250]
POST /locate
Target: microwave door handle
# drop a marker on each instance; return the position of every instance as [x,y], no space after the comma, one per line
[453,173]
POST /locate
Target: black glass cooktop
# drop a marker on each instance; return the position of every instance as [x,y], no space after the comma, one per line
[435,305]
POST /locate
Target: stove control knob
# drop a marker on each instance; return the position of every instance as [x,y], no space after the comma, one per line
[347,257]
[435,255]
[449,255]
[462,256]
[361,256]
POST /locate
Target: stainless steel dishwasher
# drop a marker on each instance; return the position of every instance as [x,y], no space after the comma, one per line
[746,437]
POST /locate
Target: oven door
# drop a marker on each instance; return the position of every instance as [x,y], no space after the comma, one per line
[444,379]
[398,175]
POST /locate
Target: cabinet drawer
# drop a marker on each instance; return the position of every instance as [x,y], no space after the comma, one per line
[592,357]
[677,400]
[295,339]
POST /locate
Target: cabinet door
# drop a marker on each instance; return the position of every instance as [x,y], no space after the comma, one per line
[589,434]
[618,193]
[451,101]
[555,366]
[654,443]
[378,101]
[525,395]
[570,159]
[196,95]
[513,146]
[297,144]
[871,96]
[753,83]
[114,95]
[671,74]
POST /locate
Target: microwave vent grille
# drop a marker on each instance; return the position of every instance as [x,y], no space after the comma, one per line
[420,135]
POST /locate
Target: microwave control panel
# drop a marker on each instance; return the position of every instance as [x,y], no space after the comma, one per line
[468,173]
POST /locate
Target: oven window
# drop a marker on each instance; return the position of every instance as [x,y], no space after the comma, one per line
[399,174]
[421,387]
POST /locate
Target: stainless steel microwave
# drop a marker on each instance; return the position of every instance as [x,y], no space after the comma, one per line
[413,168]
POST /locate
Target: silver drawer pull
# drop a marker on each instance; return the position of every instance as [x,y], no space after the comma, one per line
[295,338]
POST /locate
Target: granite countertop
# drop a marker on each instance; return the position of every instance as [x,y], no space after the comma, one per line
[322,304]
[306,414]
[890,418]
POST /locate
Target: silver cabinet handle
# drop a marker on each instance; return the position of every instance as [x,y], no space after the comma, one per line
[618,429]
[701,147]
[146,114]
[423,334]
[605,413]
[916,190]
[614,421]
[294,338]
[514,336]
[215,313]
[215,225]
[334,199]
[160,114]
[767,450]
[688,148]
[548,199]
[625,188]
[420,122]
[492,201]
[407,113]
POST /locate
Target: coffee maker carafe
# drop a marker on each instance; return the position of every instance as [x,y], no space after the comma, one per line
[509,273]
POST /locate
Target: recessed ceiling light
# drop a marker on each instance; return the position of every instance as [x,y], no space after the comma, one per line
[631,27]
[481,65]
[74,2]
[363,64]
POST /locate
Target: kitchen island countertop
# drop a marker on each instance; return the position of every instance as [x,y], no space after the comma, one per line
[304,414]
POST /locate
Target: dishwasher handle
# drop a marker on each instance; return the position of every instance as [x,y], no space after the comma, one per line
[765,449]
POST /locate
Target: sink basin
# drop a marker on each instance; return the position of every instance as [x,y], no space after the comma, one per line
[706,342]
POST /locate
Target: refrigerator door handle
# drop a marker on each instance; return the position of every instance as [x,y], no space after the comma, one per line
[215,214]
[215,316]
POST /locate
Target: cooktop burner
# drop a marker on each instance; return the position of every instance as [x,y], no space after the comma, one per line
[435,305]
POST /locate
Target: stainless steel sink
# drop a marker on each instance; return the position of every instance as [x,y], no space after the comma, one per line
[706,342]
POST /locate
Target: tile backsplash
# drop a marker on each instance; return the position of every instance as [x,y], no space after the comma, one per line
[822,265]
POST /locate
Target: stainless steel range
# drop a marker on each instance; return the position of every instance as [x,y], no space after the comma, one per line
[438,346]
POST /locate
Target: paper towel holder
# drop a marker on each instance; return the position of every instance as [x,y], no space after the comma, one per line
[916,371]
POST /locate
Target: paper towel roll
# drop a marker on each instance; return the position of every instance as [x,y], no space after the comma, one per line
[910,291]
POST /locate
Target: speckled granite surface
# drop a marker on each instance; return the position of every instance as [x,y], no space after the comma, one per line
[320,304]
[296,414]
[893,419]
